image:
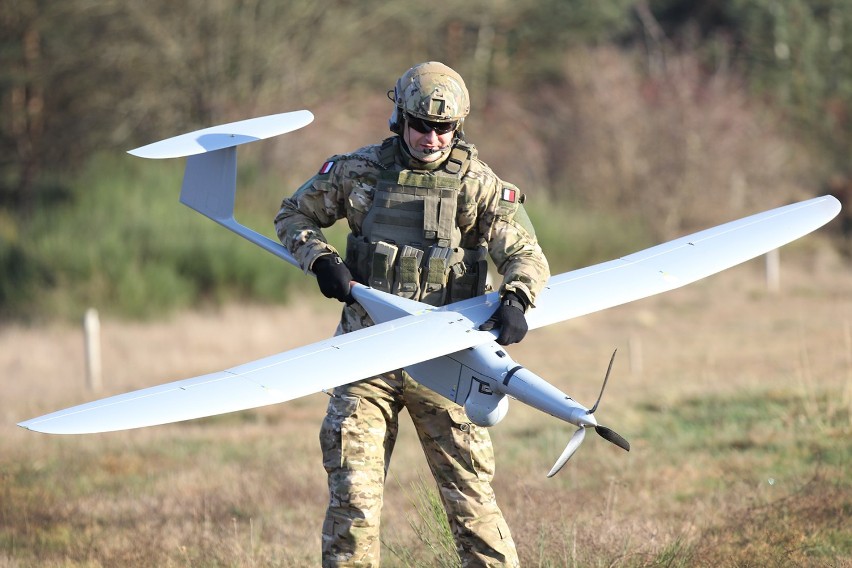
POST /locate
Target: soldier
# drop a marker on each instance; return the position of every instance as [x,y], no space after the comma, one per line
[423,212]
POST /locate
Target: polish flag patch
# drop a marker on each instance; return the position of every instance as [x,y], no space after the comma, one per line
[326,167]
[510,194]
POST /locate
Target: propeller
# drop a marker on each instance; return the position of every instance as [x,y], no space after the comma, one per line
[612,437]
[573,445]
[606,433]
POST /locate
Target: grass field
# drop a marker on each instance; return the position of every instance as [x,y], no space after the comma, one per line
[737,402]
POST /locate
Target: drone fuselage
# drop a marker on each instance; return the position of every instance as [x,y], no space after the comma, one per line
[481,378]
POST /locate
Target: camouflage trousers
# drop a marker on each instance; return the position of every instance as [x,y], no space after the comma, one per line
[357,439]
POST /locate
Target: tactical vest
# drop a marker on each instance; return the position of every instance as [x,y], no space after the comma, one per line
[410,241]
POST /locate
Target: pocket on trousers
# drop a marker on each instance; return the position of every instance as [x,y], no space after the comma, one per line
[461,433]
[340,409]
[473,444]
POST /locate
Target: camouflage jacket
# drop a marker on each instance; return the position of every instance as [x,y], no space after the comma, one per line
[489,212]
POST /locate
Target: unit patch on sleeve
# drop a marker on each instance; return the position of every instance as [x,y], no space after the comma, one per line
[510,194]
[326,167]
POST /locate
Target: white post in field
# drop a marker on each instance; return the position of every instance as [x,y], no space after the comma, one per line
[773,270]
[92,335]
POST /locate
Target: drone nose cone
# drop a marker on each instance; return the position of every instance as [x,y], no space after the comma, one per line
[579,415]
[585,419]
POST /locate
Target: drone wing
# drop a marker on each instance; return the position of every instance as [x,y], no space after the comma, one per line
[666,266]
[420,333]
[428,333]
[292,374]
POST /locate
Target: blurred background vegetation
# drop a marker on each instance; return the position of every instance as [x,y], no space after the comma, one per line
[626,122]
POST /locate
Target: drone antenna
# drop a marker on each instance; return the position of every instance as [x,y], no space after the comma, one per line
[606,378]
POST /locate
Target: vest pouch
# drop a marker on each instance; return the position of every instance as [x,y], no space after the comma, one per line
[469,276]
[382,266]
[435,277]
[407,281]
[358,257]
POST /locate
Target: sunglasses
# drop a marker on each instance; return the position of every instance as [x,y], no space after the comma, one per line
[427,126]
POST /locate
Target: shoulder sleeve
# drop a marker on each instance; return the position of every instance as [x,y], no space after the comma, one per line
[505,226]
[318,203]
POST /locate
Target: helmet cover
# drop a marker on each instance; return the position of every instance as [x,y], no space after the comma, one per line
[432,91]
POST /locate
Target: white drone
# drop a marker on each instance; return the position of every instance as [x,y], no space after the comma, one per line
[458,361]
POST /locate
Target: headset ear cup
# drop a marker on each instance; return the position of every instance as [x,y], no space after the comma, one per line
[394,122]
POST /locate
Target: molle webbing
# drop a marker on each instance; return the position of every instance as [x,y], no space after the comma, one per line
[424,213]
[414,207]
[409,242]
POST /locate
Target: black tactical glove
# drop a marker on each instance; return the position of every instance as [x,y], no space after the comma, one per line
[333,277]
[509,317]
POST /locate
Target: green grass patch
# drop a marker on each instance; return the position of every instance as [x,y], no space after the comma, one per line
[749,421]
[435,545]
[126,245]
[762,437]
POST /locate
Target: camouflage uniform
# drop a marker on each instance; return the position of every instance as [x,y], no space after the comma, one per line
[360,428]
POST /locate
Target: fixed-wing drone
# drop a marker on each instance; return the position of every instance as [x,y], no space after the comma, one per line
[458,361]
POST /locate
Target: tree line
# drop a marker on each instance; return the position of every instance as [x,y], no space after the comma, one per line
[79,75]
[679,112]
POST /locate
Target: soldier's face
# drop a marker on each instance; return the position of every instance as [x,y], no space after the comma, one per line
[428,145]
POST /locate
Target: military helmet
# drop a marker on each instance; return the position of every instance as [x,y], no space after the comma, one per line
[429,91]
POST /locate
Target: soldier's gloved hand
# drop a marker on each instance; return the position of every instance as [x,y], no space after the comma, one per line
[333,277]
[509,318]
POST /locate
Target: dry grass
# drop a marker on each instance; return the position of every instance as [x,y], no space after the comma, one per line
[737,402]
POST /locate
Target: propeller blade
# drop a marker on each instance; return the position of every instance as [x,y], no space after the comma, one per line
[606,378]
[613,437]
[569,450]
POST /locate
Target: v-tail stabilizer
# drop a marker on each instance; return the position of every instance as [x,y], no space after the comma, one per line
[210,178]
[440,347]
[225,135]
